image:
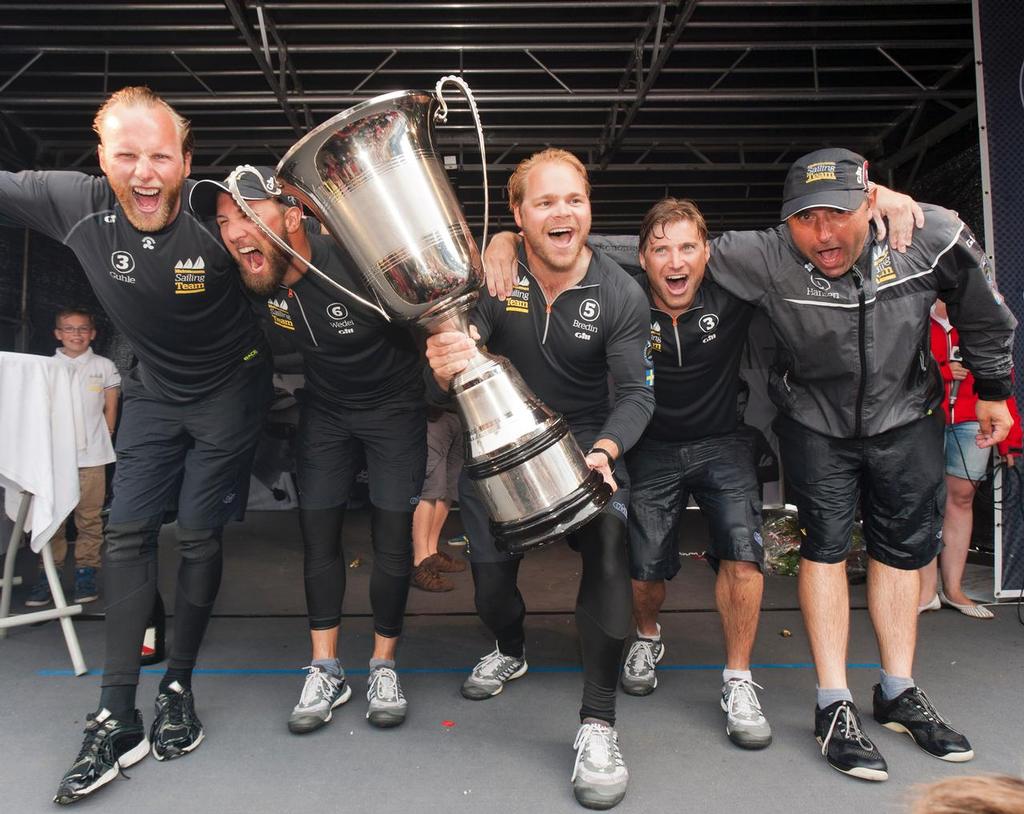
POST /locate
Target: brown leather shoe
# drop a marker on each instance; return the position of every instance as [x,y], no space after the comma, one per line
[427,579]
[445,563]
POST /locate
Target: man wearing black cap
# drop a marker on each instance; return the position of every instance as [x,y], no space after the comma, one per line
[859,421]
[363,388]
[193,406]
[857,393]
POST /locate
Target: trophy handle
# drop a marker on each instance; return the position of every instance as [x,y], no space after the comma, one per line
[441,115]
[271,186]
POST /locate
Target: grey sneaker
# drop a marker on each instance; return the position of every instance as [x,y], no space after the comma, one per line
[599,776]
[387,701]
[745,723]
[638,675]
[491,673]
[321,693]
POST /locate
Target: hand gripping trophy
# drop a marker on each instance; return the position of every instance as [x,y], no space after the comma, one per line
[372,177]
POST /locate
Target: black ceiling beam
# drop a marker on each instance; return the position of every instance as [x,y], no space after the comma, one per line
[238,18]
[524,97]
[496,47]
[930,138]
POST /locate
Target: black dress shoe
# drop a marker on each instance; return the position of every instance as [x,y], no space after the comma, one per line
[844,745]
[913,713]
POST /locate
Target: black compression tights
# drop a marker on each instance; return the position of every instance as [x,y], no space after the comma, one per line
[325,570]
[603,608]
[130,580]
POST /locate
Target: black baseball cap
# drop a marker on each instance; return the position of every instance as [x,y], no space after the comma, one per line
[833,177]
[203,198]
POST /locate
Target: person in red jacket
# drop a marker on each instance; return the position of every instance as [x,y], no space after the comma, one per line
[965,469]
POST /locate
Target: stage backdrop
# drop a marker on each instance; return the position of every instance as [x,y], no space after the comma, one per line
[1001,52]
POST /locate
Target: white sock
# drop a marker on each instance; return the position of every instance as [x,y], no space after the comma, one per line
[655,638]
[730,675]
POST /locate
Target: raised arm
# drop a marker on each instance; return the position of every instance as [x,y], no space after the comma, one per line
[500,260]
[897,215]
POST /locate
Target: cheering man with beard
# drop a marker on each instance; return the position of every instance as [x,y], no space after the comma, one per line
[364,387]
[573,319]
[193,406]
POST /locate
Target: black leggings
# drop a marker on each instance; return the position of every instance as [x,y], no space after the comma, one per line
[603,608]
[130,584]
[324,567]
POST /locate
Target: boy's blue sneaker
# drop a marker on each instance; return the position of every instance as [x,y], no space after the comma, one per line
[85,586]
[40,594]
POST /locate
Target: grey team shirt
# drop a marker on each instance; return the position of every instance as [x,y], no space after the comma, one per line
[175,294]
[566,350]
[352,357]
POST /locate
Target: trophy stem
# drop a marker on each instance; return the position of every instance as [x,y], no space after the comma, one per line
[451,316]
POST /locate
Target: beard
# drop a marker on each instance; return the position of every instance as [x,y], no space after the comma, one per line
[268,279]
[170,196]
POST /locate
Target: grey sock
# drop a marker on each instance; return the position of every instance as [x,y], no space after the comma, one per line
[330,666]
[827,696]
[892,686]
[375,663]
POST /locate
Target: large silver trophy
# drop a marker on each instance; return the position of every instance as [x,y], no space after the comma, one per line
[371,175]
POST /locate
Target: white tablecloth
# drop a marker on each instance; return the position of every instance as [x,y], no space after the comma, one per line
[41,430]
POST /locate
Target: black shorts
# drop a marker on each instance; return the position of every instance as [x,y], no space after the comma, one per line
[719,473]
[896,476]
[477,527]
[394,438]
[444,458]
[195,456]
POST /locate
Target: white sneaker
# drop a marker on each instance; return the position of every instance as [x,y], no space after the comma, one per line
[321,693]
[491,674]
[745,723]
[599,777]
[387,704]
[638,673]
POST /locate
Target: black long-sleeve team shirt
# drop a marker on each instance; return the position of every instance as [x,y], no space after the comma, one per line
[696,365]
[566,349]
[352,357]
[175,294]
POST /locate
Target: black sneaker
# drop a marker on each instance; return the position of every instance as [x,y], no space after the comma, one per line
[176,730]
[913,713]
[844,745]
[109,746]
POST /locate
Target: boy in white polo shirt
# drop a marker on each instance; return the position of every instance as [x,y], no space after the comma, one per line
[101,386]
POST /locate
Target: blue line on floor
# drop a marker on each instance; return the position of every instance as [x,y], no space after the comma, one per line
[236,671]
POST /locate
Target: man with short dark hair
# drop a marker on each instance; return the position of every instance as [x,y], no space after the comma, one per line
[695,445]
[193,406]
[364,388]
[575,319]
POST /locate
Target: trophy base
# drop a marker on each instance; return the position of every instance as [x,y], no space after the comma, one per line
[570,514]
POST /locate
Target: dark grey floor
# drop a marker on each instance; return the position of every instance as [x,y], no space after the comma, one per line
[509,754]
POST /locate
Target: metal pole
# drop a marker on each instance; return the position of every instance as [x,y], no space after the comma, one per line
[23,321]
